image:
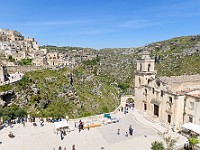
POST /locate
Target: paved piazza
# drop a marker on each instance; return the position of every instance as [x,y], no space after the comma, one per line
[104,137]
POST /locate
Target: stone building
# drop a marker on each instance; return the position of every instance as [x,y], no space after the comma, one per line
[39,61]
[14,44]
[10,35]
[19,55]
[53,58]
[174,100]
[3,74]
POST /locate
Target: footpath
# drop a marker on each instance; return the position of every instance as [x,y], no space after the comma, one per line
[141,117]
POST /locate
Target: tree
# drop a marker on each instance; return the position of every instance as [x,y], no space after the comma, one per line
[12,112]
[130,100]
[157,145]
[11,59]
[26,62]
[123,85]
[193,141]
[170,142]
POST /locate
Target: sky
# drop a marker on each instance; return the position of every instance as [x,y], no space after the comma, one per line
[101,23]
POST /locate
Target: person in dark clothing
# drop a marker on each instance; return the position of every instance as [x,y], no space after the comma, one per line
[61,135]
[73,147]
[118,131]
[130,130]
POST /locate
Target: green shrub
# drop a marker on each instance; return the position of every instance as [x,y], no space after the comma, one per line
[11,59]
[25,62]
[5,87]
[12,112]
[123,85]
[157,145]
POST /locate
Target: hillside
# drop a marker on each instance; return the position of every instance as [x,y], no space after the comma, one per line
[68,49]
[56,93]
[96,85]
[176,56]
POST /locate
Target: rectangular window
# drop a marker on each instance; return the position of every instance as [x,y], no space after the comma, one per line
[190,119]
[161,93]
[191,105]
[170,99]
[145,91]
[169,119]
[145,107]
[153,91]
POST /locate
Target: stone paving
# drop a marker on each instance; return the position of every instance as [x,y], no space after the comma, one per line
[109,132]
[103,137]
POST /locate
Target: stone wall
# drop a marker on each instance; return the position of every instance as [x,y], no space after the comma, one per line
[23,69]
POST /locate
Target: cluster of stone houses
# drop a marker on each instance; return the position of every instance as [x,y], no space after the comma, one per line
[12,43]
[174,100]
[6,78]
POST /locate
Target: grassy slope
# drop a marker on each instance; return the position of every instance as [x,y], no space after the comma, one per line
[116,67]
[175,66]
[49,103]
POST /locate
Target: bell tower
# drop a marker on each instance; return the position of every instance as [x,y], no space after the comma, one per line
[145,70]
[144,74]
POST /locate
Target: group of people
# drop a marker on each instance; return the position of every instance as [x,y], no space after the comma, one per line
[126,134]
[60,148]
[18,120]
[23,121]
[126,107]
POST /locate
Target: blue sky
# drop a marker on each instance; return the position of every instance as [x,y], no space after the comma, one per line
[101,23]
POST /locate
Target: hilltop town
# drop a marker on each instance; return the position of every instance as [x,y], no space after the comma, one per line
[84,82]
[17,51]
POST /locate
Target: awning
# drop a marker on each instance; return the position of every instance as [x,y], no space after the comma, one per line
[191,126]
[61,124]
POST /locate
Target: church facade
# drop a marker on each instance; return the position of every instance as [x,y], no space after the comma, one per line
[174,100]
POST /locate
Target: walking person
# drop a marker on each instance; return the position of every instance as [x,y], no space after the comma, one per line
[23,123]
[61,135]
[118,131]
[130,130]
[126,134]
[73,147]
[79,127]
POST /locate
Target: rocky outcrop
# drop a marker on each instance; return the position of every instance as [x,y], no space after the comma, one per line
[6,97]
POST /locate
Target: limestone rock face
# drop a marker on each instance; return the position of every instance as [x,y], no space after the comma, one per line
[2,103]
[35,89]
[6,97]
[23,101]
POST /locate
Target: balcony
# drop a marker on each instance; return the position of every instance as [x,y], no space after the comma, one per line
[155,101]
[169,111]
